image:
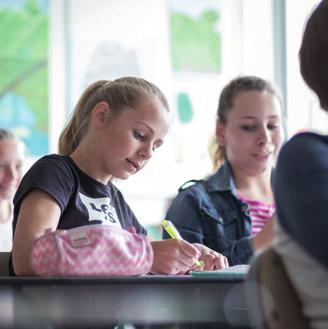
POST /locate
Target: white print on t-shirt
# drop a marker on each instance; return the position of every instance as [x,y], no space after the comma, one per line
[100,209]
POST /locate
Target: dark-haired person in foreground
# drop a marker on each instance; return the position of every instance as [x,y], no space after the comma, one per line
[301,186]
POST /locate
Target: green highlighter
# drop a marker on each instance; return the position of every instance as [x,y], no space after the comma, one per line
[174,234]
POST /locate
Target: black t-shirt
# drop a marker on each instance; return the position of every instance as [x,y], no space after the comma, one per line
[82,199]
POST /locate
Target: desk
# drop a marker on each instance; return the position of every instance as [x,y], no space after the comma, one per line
[101,302]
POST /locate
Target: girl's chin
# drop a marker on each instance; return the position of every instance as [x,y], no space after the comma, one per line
[265,164]
[262,170]
[123,176]
[257,170]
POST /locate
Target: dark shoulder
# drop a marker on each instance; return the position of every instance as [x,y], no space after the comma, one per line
[302,149]
[192,191]
[53,160]
[57,165]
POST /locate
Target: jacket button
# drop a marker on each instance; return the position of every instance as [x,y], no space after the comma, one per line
[244,207]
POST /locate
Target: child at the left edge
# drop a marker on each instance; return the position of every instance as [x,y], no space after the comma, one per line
[12,154]
[113,132]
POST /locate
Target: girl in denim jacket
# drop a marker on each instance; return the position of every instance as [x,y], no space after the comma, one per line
[231,211]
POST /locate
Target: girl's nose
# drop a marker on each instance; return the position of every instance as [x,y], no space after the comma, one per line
[146,152]
[11,172]
[264,136]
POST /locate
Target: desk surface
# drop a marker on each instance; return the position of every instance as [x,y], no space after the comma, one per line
[101,302]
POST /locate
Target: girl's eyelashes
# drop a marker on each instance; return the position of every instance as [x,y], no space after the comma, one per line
[138,135]
[270,126]
[155,147]
[274,126]
[248,128]
[143,138]
[18,166]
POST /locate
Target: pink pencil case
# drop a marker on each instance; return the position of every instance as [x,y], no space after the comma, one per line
[93,250]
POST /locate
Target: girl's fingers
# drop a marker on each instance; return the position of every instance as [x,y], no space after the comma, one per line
[221,262]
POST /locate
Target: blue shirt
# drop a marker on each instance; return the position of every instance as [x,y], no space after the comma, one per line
[209,212]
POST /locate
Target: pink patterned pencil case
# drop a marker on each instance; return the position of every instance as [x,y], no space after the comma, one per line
[93,250]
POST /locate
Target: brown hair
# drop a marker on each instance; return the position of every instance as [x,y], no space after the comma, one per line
[226,103]
[313,53]
[6,134]
[119,94]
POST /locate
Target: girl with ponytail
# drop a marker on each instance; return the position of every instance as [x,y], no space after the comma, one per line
[113,132]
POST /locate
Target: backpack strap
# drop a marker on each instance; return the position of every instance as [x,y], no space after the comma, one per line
[189,183]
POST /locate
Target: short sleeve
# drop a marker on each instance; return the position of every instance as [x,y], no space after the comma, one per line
[50,174]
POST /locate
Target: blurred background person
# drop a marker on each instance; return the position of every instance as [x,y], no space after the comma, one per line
[12,152]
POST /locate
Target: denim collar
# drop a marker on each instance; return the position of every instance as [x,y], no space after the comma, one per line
[222,180]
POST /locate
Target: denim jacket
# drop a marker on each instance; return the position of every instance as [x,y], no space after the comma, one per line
[209,212]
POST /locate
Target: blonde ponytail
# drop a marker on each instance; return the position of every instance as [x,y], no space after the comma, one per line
[122,93]
[79,121]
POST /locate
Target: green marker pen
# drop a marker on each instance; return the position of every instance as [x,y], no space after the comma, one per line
[174,234]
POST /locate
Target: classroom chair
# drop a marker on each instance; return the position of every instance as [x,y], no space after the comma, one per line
[272,300]
[4,261]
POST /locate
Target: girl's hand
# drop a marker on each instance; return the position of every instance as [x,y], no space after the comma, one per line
[173,256]
[212,259]
[265,237]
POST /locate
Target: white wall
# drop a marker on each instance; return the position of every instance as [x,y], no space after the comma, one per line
[243,41]
[257,43]
[303,106]
[78,27]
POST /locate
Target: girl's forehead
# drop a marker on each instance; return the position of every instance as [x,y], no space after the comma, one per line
[253,95]
[8,143]
[11,146]
[257,102]
[152,108]
[150,113]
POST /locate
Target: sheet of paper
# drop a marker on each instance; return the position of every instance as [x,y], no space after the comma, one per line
[232,271]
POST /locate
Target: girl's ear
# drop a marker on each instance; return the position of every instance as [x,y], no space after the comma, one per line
[100,113]
[220,137]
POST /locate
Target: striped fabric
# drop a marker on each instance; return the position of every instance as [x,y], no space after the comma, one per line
[259,212]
